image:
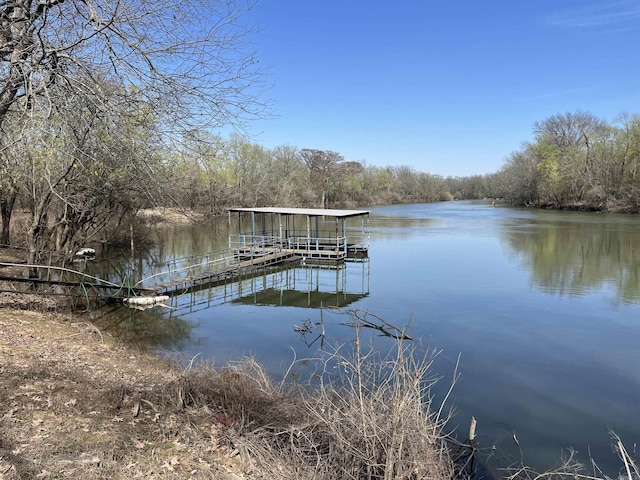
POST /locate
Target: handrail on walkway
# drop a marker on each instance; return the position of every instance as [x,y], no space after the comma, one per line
[297,242]
[194,263]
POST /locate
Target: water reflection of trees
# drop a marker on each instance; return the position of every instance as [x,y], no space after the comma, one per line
[167,242]
[574,257]
[149,328]
[384,227]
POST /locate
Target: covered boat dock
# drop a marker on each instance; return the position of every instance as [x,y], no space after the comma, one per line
[311,234]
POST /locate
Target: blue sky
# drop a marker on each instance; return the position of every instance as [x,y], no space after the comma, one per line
[447,87]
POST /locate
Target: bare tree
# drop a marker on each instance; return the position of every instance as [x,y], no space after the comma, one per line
[519,178]
[627,158]
[285,176]
[189,56]
[203,177]
[573,136]
[189,61]
[82,169]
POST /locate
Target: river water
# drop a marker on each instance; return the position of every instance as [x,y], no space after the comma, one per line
[542,308]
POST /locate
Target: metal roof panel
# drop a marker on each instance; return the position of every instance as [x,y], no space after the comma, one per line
[312,212]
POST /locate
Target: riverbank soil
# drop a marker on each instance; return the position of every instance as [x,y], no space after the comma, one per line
[76,403]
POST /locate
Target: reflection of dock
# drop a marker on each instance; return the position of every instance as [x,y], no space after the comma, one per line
[310,286]
[277,235]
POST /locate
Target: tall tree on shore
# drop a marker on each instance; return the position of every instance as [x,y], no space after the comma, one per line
[188,60]
[573,137]
[286,171]
[322,165]
[74,177]
[9,179]
[625,168]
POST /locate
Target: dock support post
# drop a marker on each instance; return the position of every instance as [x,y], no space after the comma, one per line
[308,233]
[253,233]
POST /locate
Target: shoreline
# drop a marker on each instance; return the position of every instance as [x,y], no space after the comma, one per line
[77,403]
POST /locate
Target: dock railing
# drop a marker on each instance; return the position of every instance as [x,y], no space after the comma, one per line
[300,242]
[258,242]
[185,267]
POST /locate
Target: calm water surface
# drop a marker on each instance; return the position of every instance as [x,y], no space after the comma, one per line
[542,307]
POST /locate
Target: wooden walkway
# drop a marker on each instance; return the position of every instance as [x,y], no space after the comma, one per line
[187,283]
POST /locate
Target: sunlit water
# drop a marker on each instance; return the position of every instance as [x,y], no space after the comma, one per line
[542,307]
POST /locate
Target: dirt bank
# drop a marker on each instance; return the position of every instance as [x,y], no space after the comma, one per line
[75,403]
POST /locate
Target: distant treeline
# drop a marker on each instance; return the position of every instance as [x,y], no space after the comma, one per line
[212,173]
[575,161]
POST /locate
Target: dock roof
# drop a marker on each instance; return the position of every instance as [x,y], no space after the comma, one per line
[311,212]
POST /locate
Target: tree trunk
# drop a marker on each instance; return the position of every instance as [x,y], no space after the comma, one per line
[32,251]
[36,229]
[6,209]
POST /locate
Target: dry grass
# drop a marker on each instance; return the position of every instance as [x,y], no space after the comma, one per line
[572,469]
[369,418]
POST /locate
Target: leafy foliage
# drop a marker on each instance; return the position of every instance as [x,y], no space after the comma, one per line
[577,159]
